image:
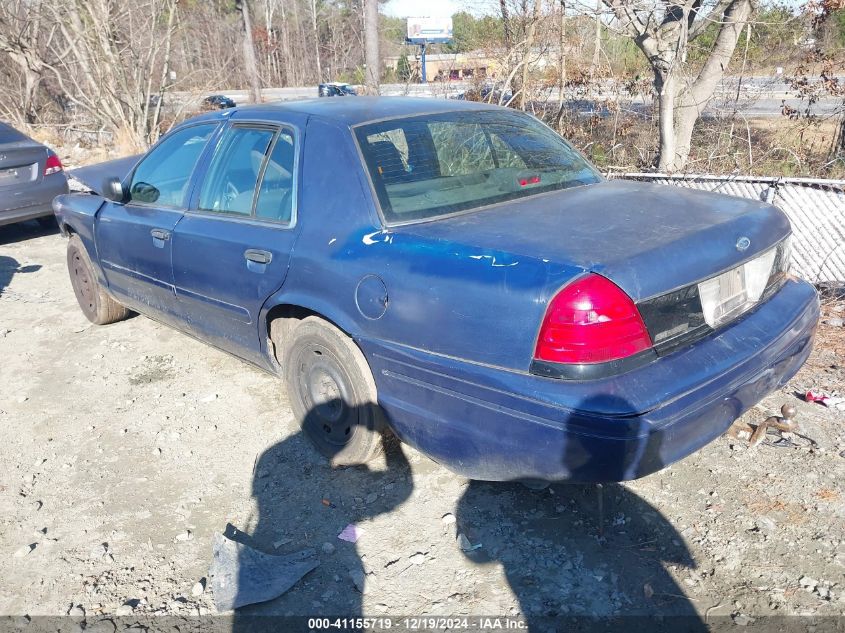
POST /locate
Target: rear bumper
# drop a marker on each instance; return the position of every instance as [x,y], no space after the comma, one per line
[35,202]
[491,424]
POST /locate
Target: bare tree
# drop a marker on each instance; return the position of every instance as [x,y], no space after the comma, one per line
[529,46]
[109,56]
[317,40]
[663,31]
[371,44]
[250,62]
[20,31]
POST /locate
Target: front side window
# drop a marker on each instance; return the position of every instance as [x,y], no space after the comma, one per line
[426,166]
[163,175]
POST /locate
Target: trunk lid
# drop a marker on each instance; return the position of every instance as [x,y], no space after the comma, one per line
[22,163]
[648,239]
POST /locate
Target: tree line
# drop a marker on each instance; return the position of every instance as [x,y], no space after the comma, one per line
[114,64]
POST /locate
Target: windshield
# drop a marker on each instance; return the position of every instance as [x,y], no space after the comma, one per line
[431,165]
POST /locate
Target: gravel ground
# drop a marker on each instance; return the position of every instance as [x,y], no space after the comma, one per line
[127,447]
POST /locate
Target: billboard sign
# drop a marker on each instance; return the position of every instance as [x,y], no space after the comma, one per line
[429,30]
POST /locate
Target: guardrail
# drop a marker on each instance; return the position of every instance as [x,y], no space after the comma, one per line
[815,207]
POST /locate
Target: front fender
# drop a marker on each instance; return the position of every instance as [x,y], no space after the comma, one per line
[77,213]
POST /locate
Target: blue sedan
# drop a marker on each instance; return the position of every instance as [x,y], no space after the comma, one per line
[454,273]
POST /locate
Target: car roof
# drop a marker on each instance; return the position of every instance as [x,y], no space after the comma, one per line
[355,110]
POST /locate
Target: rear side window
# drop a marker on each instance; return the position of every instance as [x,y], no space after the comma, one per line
[426,166]
[162,176]
[275,196]
[233,175]
[252,174]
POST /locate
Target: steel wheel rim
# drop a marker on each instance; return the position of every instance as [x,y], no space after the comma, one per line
[325,394]
[84,287]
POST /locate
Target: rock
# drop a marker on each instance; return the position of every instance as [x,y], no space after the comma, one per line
[740,619]
[448,518]
[198,587]
[765,524]
[101,550]
[417,559]
[358,579]
[76,611]
[463,542]
[371,498]
[24,551]
[823,591]
[808,583]
[184,536]
[328,548]
[124,610]
[101,625]
[465,545]
[836,322]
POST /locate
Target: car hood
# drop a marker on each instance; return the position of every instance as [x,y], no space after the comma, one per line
[93,176]
[648,239]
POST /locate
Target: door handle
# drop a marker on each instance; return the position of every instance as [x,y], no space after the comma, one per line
[160,234]
[258,256]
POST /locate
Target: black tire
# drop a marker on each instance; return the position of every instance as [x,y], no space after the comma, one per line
[95,303]
[332,393]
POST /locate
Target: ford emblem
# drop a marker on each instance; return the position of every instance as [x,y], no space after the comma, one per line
[743,243]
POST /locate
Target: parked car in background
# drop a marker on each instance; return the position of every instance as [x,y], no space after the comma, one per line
[454,272]
[336,89]
[31,175]
[218,102]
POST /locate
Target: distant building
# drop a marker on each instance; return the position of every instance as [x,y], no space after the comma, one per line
[449,67]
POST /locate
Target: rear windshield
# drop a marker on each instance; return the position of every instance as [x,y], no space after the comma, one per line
[436,164]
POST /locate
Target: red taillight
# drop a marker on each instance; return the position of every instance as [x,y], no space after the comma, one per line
[591,321]
[53,166]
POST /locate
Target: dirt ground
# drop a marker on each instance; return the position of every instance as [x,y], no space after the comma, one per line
[126,447]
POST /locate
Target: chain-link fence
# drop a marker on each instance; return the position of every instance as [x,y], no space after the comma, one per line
[815,207]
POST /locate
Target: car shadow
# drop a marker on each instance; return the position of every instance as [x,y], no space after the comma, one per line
[567,563]
[9,267]
[584,556]
[301,501]
[22,231]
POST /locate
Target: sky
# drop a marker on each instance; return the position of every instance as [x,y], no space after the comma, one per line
[429,8]
[445,8]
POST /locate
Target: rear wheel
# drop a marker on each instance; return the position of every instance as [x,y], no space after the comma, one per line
[332,393]
[96,304]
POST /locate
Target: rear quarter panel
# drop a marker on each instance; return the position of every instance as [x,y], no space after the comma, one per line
[442,296]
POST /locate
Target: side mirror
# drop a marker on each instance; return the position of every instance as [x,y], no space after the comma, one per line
[113,189]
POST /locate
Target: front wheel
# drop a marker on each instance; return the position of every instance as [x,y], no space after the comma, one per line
[95,303]
[332,393]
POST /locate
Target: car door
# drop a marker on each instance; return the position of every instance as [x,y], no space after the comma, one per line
[231,249]
[134,236]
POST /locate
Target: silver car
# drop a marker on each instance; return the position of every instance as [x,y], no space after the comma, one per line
[31,175]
